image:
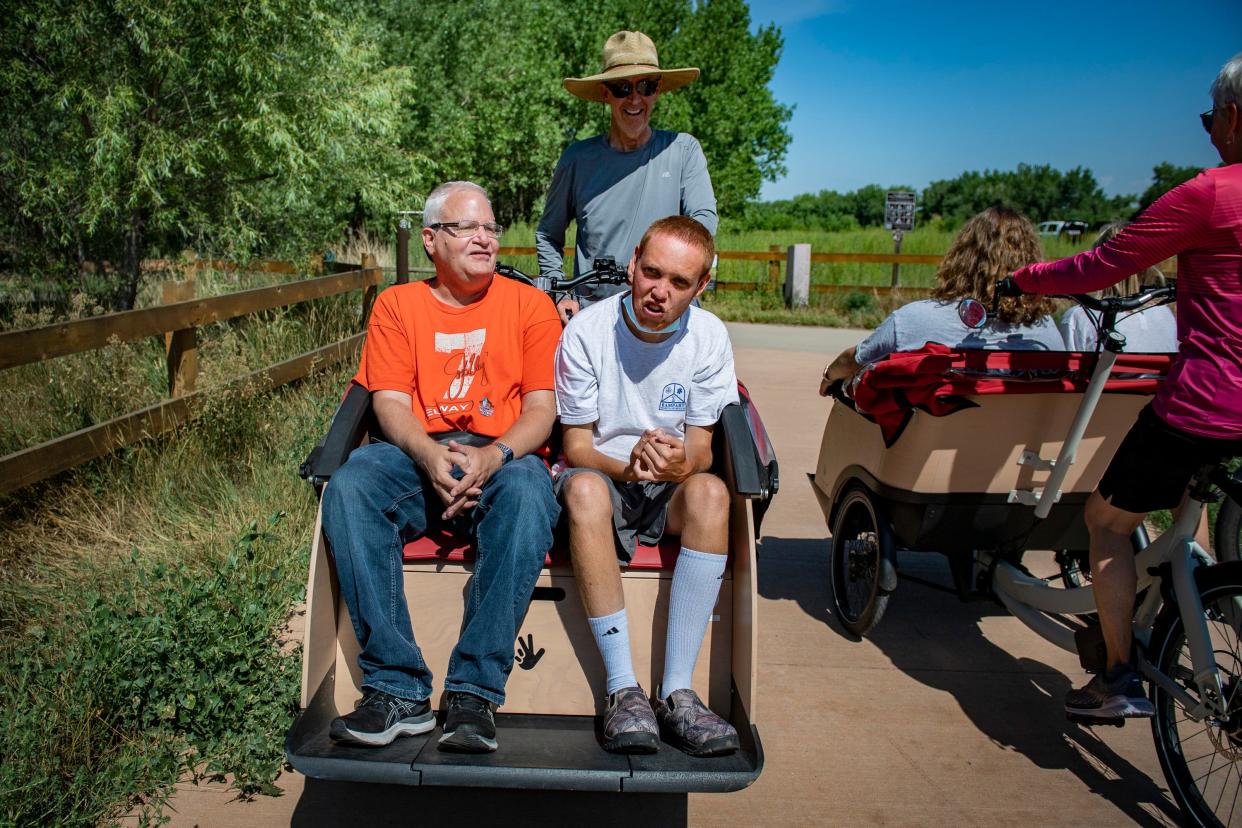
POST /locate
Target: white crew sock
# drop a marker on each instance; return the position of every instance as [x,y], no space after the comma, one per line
[696,583]
[612,636]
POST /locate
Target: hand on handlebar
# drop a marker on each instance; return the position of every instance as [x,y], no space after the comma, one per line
[1007,287]
[566,308]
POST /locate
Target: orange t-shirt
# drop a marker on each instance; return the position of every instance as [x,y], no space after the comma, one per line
[465,368]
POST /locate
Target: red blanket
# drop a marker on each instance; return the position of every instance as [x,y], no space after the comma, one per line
[938,379]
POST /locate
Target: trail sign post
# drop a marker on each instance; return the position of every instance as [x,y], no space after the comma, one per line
[898,217]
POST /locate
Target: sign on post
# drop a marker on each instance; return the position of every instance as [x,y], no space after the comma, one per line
[899,210]
[898,217]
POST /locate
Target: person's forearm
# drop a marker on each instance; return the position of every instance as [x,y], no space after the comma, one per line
[1162,231]
[401,428]
[588,457]
[843,367]
[530,431]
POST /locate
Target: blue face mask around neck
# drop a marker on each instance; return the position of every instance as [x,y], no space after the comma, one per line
[627,302]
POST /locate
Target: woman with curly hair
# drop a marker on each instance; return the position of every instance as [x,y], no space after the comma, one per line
[990,246]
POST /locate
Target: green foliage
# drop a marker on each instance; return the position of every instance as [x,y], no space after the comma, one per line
[855,301]
[1164,177]
[1038,191]
[491,107]
[173,673]
[826,210]
[151,125]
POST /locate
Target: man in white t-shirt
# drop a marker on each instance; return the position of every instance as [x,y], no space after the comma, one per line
[641,380]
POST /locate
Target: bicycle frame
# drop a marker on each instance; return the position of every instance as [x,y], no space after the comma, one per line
[1033,600]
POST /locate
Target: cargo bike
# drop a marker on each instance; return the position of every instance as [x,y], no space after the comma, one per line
[984,455]
[554,697]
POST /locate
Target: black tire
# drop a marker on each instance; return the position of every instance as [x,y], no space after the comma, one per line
[863,570]
[1228,528]
[1202,761]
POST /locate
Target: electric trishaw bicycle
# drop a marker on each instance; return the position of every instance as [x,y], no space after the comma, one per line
[548,726]
[979,484]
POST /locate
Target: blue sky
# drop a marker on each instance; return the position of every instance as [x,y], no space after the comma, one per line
[906,93]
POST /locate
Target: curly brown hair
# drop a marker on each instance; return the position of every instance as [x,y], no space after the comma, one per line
[989,247]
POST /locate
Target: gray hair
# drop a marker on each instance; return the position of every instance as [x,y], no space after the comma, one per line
[433,208]
[1227,88]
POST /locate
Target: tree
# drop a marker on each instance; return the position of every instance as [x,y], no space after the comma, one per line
[149,125]
[1039,191]
[490,105]
[1164,177]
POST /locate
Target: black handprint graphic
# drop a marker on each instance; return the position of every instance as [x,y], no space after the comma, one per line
[526,657]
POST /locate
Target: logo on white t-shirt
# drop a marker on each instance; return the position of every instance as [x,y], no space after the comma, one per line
[673,397]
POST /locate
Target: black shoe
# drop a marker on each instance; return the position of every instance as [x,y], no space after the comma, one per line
[469,726]
[380,718]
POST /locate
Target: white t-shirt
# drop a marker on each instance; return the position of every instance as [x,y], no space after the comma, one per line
[930,320]
[607,376]
[1152,331]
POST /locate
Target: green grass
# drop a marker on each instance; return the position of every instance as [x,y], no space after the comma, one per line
[871,240]
[145,596]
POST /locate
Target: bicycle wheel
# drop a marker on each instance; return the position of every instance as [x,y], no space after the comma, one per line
[1202,761]
[1228,530]
[863,569]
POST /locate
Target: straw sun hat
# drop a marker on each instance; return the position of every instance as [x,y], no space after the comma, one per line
[629,55]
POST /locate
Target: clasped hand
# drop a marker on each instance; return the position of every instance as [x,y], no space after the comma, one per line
[658,456]
[477,465]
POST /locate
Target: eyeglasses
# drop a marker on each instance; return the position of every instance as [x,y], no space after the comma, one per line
[469,227]
[1206,119]
[621,89]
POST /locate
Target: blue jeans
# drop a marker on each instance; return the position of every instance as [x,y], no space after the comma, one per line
[377,502]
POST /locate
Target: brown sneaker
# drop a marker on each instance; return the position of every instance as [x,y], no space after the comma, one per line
[629,723]
[688,725]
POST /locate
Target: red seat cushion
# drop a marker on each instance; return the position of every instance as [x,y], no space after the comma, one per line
[442,545]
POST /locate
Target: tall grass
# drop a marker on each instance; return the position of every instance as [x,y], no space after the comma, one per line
[144,597]
[930,240]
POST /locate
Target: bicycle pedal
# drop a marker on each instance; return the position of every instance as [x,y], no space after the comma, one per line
[1095,721]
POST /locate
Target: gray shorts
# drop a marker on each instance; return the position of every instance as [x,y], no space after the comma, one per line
[639,510]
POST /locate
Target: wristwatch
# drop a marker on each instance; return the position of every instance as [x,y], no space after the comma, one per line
[506,453]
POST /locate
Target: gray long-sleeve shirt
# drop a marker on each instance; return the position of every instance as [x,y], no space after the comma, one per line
[615,196]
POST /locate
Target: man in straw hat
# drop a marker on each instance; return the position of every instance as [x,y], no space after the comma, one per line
[615,185]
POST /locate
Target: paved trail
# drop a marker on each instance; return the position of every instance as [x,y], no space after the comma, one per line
[949,714]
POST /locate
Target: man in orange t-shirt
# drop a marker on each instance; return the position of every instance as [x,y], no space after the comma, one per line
[460,370]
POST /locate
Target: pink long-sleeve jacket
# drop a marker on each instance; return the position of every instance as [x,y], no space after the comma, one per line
[1201,223]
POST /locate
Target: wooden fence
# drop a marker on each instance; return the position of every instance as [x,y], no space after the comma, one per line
[176,320]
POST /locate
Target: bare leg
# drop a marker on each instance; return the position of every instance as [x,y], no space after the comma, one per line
[699,512]
[1113,574]
[1202,536]
[588,504]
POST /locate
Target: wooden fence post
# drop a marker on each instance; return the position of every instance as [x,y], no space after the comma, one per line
[181,347]
[371,268]
[797,275]
[774,266]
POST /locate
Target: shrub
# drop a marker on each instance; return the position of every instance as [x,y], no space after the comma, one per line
[174,673]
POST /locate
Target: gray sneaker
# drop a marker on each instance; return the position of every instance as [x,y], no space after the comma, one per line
[687,724]
[629,723]
[1111,697]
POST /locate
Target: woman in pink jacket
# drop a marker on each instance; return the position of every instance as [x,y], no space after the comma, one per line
[1196,416]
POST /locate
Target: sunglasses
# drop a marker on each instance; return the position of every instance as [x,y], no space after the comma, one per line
[621,89]
[1206,119]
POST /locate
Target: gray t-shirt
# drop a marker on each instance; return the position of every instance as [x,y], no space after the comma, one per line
[615,196]
[1152,331]
[930,320]
[607,376]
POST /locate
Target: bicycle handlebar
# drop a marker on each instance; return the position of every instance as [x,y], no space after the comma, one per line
[606,271]
[1118,304]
